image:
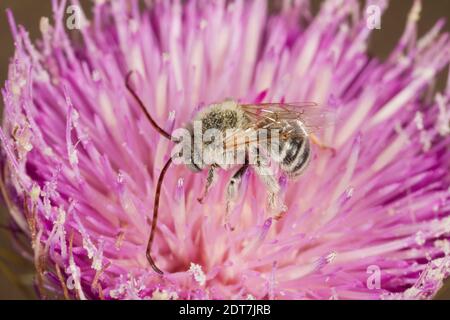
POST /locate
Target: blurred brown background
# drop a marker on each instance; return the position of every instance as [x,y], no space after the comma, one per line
[28,13]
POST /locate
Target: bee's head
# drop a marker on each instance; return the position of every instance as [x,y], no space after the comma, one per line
[187,150]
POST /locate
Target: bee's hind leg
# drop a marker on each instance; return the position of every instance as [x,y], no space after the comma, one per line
[212,177]
[268,177]
[232,192]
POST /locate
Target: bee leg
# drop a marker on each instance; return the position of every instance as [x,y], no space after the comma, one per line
[212,177]
[268,177]
[232,192]
[314,139]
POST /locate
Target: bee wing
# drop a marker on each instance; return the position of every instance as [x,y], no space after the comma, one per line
[277,116]
[242,136]
[272,115]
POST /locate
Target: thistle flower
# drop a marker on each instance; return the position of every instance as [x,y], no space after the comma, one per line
[80,159]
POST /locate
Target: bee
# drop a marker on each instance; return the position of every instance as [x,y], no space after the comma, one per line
[260,134]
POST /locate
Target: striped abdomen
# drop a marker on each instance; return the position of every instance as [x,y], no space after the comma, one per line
[295,151]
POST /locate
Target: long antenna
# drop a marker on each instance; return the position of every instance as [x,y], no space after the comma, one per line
[161,175]
[141,104]
[155,216]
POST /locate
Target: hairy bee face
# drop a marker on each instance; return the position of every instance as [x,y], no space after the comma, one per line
[194,158]
[204,135]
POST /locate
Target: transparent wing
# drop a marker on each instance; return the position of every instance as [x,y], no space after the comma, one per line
[272,115]
[244,136]
[278,116]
